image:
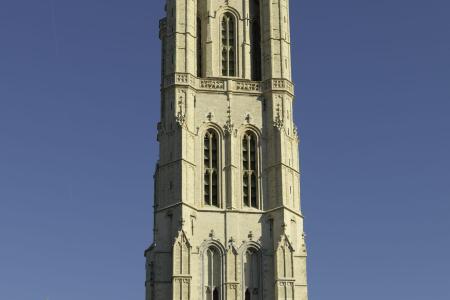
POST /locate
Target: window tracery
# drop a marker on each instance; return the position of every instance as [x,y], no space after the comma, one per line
[252,274]
[250,170]
[212,273]
[228,45]
[211,167]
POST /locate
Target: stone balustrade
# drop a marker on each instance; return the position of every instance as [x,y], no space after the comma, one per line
[228,84]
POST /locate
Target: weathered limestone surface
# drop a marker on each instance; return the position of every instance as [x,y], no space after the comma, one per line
[230,250]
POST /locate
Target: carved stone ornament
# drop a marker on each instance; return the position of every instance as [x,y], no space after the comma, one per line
[160,129]
[304,250]
[210,116]
[296,132]
[180,117]
[229,126]
[285,283]
[210,84]
[248,118]
[278,122]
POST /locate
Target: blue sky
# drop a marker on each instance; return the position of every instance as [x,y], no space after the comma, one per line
[79,103]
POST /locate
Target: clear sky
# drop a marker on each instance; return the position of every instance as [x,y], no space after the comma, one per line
[79,103]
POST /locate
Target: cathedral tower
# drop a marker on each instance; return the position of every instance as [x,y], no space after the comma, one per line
[227,183]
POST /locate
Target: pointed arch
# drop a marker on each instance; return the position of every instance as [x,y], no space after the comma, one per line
[285,257]
[250,169]
[252,271]
[213,270]
[251,267]
[182,255]
[228,31]
[211,167]
[232,259]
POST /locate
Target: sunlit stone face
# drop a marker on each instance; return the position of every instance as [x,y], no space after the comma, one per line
[228,223]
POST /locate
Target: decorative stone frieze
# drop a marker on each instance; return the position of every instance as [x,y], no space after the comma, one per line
[248,86]
[212,84]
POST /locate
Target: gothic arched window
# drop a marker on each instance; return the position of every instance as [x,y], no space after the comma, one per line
[252,274]
[212,274]
[199,48]
[228,45]
[211,168]
[255,39]
[250,170]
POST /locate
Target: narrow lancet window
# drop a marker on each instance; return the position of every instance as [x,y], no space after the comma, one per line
[199,48]
[211,167]
[251,274]
[255,39]
[250,170]
[212,274]
[228,45]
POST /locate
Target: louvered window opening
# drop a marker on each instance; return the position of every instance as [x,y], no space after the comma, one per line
[228,45]
[211,166]
[250,172]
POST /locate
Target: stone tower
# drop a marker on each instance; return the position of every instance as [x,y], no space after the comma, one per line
[227,214]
